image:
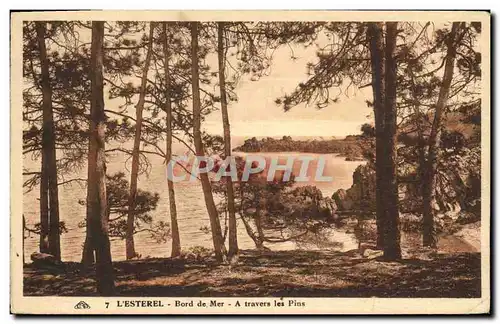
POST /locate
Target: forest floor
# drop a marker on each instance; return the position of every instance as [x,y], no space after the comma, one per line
[279,273]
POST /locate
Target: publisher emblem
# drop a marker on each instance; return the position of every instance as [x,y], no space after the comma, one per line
[82,305]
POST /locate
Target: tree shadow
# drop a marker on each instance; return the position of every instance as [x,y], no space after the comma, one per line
[280,273]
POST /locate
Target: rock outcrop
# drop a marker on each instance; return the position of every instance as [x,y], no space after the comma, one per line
[340,197]
[361,195]
[44,260]
[372,254]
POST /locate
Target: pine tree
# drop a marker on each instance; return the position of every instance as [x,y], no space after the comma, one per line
[377,58]
[219,247]
[97,216]
[430,166]
[392,244]
[176,241]
[233,235]
[129,240]
[47,143]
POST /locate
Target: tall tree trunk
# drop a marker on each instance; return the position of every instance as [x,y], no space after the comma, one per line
[374,34]
[49,168]
[96,187]
[88,258]
[429,181]
[205,182]
[392,246]
[44,206]
[421,160]
[129,235]
[233,235]
[176,241]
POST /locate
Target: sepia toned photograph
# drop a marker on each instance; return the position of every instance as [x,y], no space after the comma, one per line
[258,162]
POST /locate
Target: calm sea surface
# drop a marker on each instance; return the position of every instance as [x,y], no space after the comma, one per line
[191,208]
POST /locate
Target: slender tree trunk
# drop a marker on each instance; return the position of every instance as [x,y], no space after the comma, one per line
[176,241]
[88,256]
[421,145]
[392,246]
[374,34]
[260,230]
[49,168]
[246,223]
[259,218]
[97,200]
[205,181]
[421,164]
[44,206]
[429,181]
[233,235]
[129,235]
[257,241]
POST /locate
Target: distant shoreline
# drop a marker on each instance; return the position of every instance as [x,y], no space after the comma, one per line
[351,147]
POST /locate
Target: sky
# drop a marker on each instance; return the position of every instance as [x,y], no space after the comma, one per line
[256,114]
